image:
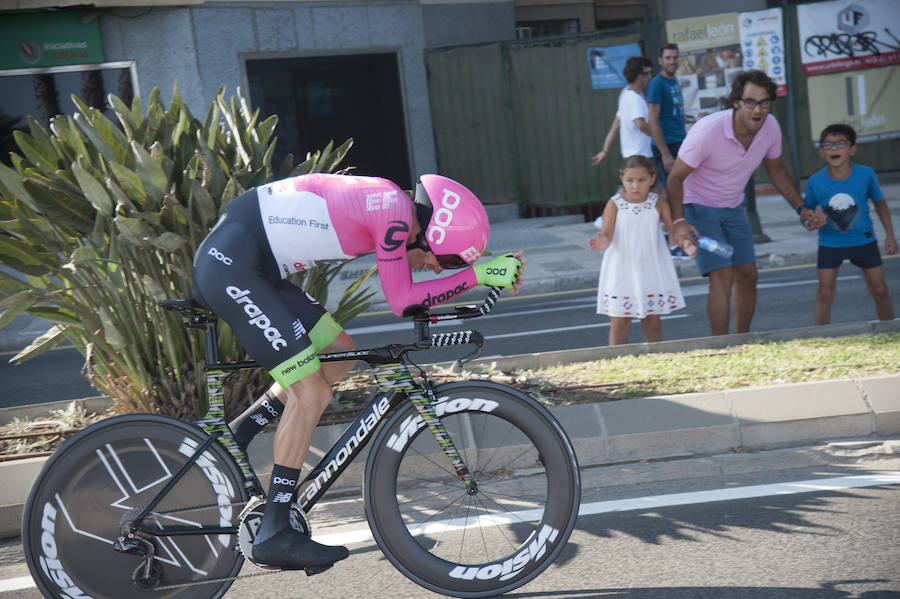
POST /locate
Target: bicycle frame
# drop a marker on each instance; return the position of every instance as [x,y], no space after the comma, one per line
[395,384]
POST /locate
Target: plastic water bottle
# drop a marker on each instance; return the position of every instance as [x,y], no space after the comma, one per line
[719,248]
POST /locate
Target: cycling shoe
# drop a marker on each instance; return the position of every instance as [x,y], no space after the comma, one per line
[290,550]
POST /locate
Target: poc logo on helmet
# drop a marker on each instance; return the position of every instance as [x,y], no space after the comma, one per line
[219,256]
[257,318]
[443,216]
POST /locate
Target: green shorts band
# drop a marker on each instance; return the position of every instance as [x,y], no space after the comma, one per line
[307,362]
[324,332]
[296,367]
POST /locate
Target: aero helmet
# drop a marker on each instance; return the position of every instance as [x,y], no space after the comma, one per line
[457,229]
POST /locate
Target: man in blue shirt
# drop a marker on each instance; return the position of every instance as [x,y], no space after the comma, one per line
[666,108]
[666,119]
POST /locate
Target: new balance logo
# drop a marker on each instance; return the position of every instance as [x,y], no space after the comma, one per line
[282,497]
[299,329]
[259,419]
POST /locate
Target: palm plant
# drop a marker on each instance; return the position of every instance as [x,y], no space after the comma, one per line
[8,124]
[101,220]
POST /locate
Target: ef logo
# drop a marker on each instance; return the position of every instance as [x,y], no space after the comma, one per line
[853,19]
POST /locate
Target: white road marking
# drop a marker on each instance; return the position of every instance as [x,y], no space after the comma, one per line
[363,535]
[748,492]
[660,501]
[16,584]
[579,327]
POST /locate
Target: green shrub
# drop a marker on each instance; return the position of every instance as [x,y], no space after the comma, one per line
[102,219]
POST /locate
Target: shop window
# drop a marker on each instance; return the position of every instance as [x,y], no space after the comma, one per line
[548,28]
[44,93]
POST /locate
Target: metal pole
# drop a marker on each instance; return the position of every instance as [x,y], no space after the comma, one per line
[752,214]
[791,108]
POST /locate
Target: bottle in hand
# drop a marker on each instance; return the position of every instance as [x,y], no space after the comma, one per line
[719,248]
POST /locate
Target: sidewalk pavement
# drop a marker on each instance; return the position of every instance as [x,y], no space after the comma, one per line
[626,430]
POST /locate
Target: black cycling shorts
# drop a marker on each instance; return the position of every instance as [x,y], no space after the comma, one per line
[281,326]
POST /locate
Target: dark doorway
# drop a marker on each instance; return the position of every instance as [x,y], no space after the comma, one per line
[333,98]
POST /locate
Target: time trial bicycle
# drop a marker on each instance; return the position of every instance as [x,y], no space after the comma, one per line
[471,488]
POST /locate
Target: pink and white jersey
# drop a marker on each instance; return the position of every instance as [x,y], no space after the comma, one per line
[323,218]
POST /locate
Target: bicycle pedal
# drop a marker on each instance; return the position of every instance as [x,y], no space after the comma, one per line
[316,569]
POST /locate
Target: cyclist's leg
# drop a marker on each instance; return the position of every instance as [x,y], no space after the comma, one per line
[276,542]
[267,408]
[274,322]
[325,335]
[304,400]
[335,371]
[305,393]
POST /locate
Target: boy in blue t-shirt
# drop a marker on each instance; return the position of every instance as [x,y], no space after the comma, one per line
[842,191]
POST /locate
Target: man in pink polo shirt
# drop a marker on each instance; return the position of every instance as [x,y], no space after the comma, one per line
[705,189]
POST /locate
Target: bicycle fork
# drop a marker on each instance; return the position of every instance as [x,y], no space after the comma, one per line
[397,376]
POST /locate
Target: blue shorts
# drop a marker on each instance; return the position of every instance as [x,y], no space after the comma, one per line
[661,175]
[722,224]
[864,256]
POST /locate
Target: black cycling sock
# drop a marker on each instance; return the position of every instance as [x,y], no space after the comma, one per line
[255,418]
[278,505]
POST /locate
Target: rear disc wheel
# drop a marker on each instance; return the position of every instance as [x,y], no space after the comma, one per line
[101,478]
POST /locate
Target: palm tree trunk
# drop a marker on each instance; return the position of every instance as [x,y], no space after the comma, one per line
[126,91]
[92,91]
[47,97]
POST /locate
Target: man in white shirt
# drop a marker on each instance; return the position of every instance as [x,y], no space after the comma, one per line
[632,116]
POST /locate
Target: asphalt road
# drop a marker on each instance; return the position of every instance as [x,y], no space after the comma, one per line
[795,535]
[522,324]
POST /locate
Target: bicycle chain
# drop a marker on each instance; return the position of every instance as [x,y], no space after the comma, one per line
[222,579]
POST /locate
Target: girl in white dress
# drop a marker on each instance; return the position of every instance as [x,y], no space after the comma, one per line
[637,277]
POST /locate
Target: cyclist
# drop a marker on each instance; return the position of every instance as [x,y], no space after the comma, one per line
[279,228]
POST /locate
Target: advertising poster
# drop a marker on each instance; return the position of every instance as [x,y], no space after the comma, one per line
[710,49]
[762,42]
[48,40]
[864,99]
[845,35]
[605,65]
